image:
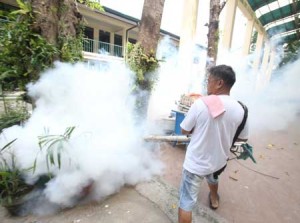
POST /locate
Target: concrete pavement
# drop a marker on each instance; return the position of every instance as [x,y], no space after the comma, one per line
[149,202]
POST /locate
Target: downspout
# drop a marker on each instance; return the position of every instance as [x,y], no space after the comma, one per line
[126,38]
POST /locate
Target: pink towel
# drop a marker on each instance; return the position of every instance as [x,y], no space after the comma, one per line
[214,104]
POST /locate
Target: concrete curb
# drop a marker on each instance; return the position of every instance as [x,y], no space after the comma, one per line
[165,196]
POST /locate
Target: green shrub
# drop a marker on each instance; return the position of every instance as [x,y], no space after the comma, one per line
[23,53]
[143,65]
[14,117]
[54,146]
[12,184]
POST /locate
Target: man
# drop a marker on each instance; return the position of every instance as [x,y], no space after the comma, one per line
[212,122]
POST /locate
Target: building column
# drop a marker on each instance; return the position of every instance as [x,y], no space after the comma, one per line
[258,48]
[187,39]
[124,42]
[96,41]
[270,67]
[230,6]
[248,37]
[188,26]
[261,77]
[266,56]
[111,43]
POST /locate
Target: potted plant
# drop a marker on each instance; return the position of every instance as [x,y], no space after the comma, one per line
[13,187]
[16,195]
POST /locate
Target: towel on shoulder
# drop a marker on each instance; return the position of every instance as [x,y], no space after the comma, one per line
[214,104]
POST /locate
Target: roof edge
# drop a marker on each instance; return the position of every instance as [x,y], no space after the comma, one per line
[135,20]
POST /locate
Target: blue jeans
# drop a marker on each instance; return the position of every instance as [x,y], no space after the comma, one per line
[189,189]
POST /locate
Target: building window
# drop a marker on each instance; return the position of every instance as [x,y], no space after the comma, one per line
[118,50]
[88,32]
[118,40]
[88,43]
[104,38]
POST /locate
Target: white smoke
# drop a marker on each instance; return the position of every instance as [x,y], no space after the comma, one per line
[106,150]
[272,104]
[278,104]
[166,90]
[173,82]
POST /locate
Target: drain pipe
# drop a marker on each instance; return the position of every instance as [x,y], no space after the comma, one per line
[126,37]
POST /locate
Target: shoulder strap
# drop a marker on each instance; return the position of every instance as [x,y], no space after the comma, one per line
[242,125]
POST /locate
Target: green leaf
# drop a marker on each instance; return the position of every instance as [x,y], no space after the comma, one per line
[51,156]
[34,165]
[21,4]
[59,159]
[4,174]
[53,142]
[69,131]
[8,144]
[54,145]
[47,162]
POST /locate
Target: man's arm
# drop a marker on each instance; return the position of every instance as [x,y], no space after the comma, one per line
[189,121]
[184,132]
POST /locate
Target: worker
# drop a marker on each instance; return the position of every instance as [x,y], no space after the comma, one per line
[212,122]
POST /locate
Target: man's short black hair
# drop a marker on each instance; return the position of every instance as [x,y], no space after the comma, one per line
[224,73]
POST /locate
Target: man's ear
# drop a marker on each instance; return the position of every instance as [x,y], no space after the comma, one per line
[220,83]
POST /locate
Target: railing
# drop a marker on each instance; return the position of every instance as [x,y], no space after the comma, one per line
[92,46]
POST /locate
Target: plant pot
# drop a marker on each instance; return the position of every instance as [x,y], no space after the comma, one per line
[16,208]
[25,203]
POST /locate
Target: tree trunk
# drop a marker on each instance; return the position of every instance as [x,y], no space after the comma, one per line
[149,30]
[56,19]
[46,19]
[148,37]
[69,17]
[213,33]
